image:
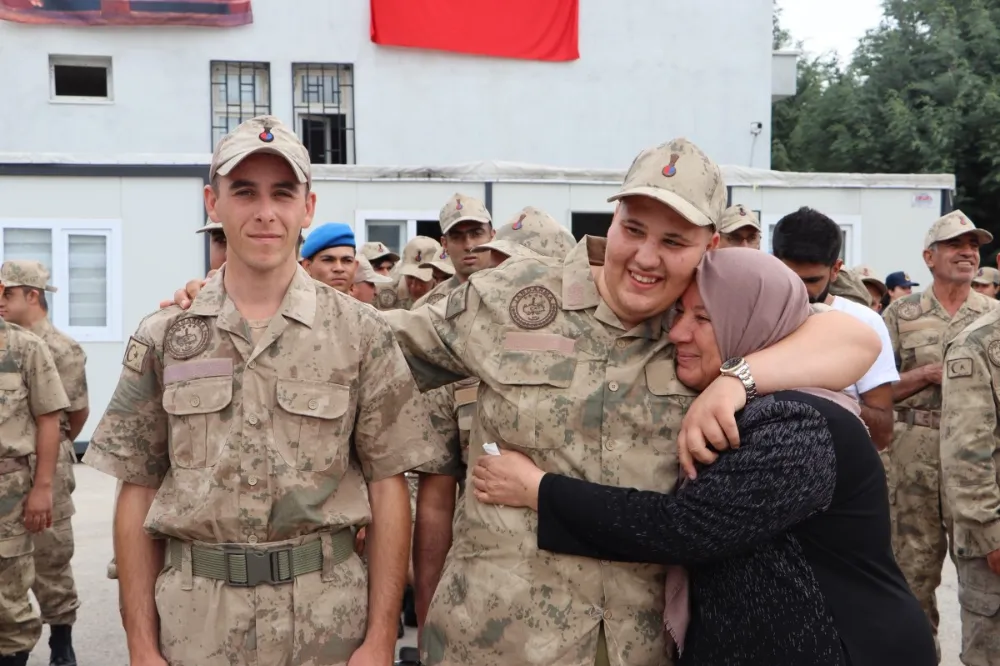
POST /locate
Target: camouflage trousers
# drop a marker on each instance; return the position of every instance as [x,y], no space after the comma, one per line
[920,526]
[20,626]
[979,595]
[54,587]
[319,619]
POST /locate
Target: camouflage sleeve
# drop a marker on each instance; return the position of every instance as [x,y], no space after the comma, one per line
[45,389]
[968,444]
[891,320]
[443,434]
[130,442]
[71,364]
[390,435]
[434,337]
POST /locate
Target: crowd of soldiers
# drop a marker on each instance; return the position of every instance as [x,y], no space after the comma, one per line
[263,430]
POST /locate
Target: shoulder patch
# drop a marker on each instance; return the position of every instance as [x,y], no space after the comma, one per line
[909,311]
[387,299]
[960,367]
[434,298]
[533,308]
[135,355]
[187,337]
[993,352]
[457,302]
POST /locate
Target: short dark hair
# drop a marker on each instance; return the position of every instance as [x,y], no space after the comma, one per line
[807,236]
[41,296]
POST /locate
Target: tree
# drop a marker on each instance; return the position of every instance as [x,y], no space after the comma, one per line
[920,95]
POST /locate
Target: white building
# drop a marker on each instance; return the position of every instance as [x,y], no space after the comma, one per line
[107,133]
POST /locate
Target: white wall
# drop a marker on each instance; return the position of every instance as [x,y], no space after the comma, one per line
[890,223]
[161,252]
[649,70]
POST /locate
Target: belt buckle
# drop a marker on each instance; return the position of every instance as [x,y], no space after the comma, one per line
[262,566]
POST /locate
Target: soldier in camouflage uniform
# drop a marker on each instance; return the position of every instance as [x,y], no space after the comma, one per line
[412,281]
[739,227]
[246,430]
[382,259]
[25,284]
[850,286]
[876,288]
[987,281]
[577,372]
[970,479]
[31,401]
[920,326]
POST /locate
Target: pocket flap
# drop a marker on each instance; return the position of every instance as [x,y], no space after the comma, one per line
[317,399]
[921,339]
[661,379]
[979,602]
[198,396]
[536,368]
[16,546]
[10,381]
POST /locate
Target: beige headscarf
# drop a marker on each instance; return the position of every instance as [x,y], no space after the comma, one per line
[754,301]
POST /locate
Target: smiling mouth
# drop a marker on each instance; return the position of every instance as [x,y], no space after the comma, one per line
[643,279]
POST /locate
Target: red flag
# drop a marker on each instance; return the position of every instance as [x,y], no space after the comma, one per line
[529,29]
[213,13]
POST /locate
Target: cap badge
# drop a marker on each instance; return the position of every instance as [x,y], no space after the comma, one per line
[979,273]
[963,221]
[520,222]
[906,276]
[743,211]
[420,255]
[458,204]
[671,169]
[444,255]
[266,136]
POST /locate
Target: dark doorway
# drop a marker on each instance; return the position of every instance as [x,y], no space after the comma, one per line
[591,224]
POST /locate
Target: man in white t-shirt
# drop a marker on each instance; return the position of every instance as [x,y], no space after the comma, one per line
[809,243]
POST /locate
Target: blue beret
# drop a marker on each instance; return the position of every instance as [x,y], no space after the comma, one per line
[333,234]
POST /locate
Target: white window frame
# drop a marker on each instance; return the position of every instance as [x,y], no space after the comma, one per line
[851,224]
[61,231]
[80,61]
[410,217]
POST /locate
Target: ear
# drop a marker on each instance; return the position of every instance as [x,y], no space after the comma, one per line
[837,267]
[310,209]
[211,200]
[928,258]
[713,242]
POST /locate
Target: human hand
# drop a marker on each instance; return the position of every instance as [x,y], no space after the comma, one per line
[38,509]
[932,372]
[184,297]
[509,479]
[993,559]
[371,655]
[359,542]
[711,422]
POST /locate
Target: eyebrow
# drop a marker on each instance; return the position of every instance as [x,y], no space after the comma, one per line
[283,185]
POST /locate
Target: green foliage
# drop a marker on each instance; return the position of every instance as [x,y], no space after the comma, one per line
[920,95]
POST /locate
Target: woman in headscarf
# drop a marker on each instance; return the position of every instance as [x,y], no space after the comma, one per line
[785,541]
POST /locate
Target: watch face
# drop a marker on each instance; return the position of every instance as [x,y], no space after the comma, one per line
[732,364]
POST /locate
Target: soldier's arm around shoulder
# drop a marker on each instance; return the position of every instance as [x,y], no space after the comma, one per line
[130,442]
[968,441]
[392,415]
[38,368]
[435,337]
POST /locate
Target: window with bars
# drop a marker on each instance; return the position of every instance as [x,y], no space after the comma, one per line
[84,262]
[323,103]
[240,91]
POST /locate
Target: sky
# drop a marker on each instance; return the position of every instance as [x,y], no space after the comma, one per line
[830,25]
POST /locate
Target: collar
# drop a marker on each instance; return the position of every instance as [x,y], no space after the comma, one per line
[299,302]
[41,327]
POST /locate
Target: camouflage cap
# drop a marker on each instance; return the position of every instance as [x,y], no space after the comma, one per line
[210,226]
[263,134]
[376,251]
[534,231]
[987,275]
[441,261]
[953,225]
[680,175]
[25,273]
[737,217]
[365,273]
[418,250]
[869,276]
[462,208]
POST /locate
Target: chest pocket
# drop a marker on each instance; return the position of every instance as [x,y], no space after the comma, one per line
[311,425]
[531,403]
[923,347]
[668,401]
[200,418]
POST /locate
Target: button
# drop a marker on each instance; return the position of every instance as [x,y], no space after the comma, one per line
[621,344]
[252,364]
[313,404]
[252,480]
[607,615]
[252,538]
[610,446]
[195,401]
[613,386]
[253,419]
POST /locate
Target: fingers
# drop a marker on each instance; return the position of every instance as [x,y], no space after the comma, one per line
[181,299]
[684,455]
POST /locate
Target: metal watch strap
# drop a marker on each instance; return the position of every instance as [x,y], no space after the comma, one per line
[742,373]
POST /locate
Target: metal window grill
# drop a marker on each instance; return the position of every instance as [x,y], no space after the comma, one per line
[323,105]
[240,91]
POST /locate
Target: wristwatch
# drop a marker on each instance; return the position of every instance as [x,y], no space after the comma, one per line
[740,369]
